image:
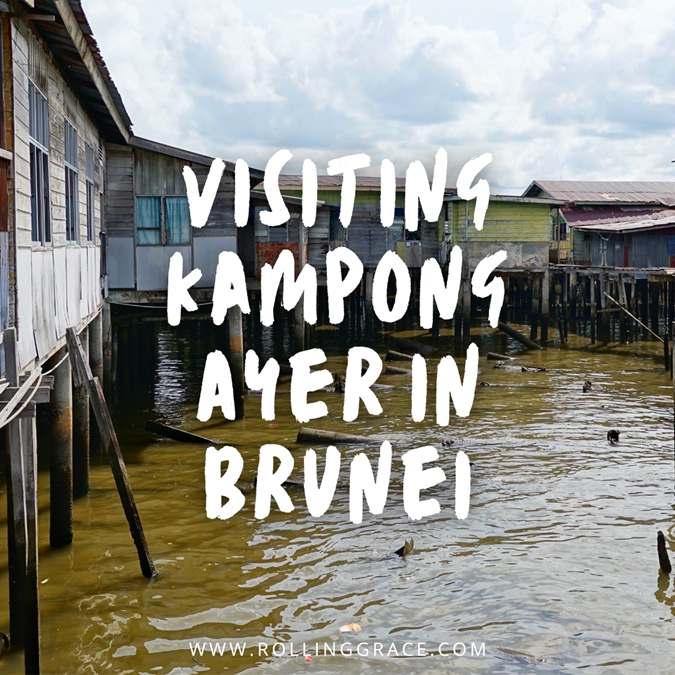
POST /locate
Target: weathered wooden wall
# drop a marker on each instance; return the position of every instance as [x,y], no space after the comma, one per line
[522,229]
[638,249]
[57,285]
[134,172]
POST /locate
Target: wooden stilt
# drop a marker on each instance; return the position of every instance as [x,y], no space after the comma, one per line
[81,430]
[32,583]
[61,456]
[97,365]
[112,448]
[106,348]
[535,305]
[237,358]
[545,293]
[593,301]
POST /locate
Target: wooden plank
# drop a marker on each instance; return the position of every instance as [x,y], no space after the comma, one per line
[307,435]
[82,373]
[15,401]
[40,396]
[177,434]
[512,332]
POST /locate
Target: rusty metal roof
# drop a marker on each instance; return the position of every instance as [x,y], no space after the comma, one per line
[335,182]
[605,192]
[618,220]
[75,71]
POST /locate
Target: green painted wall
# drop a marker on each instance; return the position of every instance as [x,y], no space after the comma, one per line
[504,221]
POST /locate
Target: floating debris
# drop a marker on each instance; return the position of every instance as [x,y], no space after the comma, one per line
[406,548]
[613,436]
[664,559]
[350,628]
[588,385]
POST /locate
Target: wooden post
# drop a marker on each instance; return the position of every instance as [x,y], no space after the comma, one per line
[97,365]
[61,458]
[545,293]
[466,308]
[623,321]
[604,316]
[594,307]
[654,306]
[574,292]
[535,283]
[107,349]
[81,430]
[112,448]
[237,358]
[666,352]
[22,521]
[16,514]
[565,308]
[32,583]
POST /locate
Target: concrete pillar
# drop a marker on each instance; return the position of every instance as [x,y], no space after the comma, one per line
[81,430]
[61,461]
[237,358]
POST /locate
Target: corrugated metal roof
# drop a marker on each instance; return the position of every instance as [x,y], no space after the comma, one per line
[330,182]
[335,182]
[57,38]
[257,175]
[603,192]
[618,220]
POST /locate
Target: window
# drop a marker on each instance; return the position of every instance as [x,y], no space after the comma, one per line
[39,166]
[89,174]
[162,220]
[72,224]
[277,234]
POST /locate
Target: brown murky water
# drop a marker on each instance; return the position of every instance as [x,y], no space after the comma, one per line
[554,570]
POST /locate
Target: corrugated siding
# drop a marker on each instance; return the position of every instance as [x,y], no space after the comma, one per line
[504,221]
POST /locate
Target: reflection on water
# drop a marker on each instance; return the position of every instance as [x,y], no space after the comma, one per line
[555,569]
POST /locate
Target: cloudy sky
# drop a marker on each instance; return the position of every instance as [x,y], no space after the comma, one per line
[571,89]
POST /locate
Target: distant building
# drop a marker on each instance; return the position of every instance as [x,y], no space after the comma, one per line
[614,224]
[365,235]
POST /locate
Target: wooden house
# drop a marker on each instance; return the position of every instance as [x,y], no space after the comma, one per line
[616,224]
[365,234]
[518,225]
[59,108]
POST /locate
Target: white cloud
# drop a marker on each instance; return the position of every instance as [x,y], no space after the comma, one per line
[572,89]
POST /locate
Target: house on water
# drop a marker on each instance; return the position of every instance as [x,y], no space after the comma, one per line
[620,236]
[365,234]
[521,226]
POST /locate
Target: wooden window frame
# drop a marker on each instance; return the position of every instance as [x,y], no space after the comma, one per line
[89,184]
[38,132]
[72,188]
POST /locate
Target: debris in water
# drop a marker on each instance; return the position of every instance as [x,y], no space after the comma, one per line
[588,385]
[350,628]
[406,548]
[664,559]
[613,436]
